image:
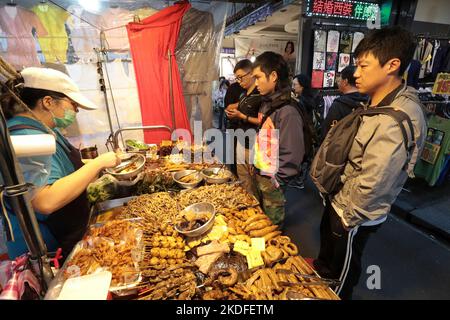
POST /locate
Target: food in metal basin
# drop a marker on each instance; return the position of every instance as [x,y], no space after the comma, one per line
[193,220]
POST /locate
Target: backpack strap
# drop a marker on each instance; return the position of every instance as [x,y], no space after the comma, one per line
[272,110]
[399,116]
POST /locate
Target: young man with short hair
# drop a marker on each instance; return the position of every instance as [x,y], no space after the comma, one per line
[347,102]
[378,163]
[245,116]
[279,147]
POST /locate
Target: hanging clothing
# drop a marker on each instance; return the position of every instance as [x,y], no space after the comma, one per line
[327,102]
[116,19]
[413,74]
[345,45]
[319,61]
[333,41]
[439,59]
[317,79]
[17,23]
[3,41]
[423,55]
[436,44]
[328,78]
[438,133]
[320,39]
[357,37]
[331,61]
[150,42]
[54,45]
[85,36]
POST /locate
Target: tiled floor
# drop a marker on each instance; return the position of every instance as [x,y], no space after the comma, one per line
[413,265]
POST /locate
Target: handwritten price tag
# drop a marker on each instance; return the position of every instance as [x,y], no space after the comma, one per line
[442,84]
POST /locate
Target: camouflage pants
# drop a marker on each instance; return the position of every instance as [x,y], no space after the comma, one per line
[272,199]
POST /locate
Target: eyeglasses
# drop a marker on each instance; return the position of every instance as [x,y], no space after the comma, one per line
[74,104]
[239,79]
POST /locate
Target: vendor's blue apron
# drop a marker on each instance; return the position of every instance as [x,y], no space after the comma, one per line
[69,223]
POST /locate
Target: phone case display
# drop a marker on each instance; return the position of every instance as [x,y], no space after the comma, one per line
[320,39]
[317,79]
[333,41]
[345,44]
[328,79]
[357,37]
[319,61]
[331,61]
[333,51]
[344,61]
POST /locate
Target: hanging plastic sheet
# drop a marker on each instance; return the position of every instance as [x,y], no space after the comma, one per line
[17,24]
[197,53]
[150,42]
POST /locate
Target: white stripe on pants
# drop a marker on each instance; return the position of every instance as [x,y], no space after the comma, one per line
[348,259]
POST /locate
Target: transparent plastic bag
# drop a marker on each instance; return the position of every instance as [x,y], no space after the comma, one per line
[104,188]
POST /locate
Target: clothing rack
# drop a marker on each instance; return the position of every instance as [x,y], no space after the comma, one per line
[432,37]
[330,25]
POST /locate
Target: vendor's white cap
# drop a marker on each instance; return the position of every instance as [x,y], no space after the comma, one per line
[54,80]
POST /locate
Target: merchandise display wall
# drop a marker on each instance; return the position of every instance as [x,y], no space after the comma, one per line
[29,38]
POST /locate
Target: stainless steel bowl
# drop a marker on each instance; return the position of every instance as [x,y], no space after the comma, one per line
[207,175]
[198,208]
[140,163]
[180,174]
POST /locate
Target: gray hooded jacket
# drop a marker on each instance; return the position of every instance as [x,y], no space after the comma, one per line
[374,174]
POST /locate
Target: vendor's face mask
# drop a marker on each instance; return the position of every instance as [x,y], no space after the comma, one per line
[67,120]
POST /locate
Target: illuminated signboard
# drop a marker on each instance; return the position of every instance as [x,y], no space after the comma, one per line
[342,9]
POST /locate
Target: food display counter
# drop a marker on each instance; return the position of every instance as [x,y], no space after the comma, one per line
[145,241]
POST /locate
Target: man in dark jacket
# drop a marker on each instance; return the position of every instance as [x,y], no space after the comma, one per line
[279,148]
[345,104]
[246,115]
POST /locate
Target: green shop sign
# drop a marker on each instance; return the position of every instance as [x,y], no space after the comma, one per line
[347,9]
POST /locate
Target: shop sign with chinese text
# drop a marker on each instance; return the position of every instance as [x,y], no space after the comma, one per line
[346,9]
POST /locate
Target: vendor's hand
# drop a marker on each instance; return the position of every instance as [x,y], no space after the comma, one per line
[108,160]
[234,114]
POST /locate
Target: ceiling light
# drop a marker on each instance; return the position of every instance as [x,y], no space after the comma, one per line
[90,5]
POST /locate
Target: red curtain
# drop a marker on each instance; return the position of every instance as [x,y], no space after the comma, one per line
[150,41]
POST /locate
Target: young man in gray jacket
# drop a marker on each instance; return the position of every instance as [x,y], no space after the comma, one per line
[375,172]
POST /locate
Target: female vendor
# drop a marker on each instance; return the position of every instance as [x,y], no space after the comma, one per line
[59,199]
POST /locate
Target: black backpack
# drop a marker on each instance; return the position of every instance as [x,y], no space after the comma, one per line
[331,158]
[309,136]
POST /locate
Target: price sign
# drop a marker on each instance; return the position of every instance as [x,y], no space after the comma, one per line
[442,84]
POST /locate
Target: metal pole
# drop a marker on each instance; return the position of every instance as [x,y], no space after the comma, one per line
[115,136]
[103,89]
[169,55]
[298,63]
[16,191]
